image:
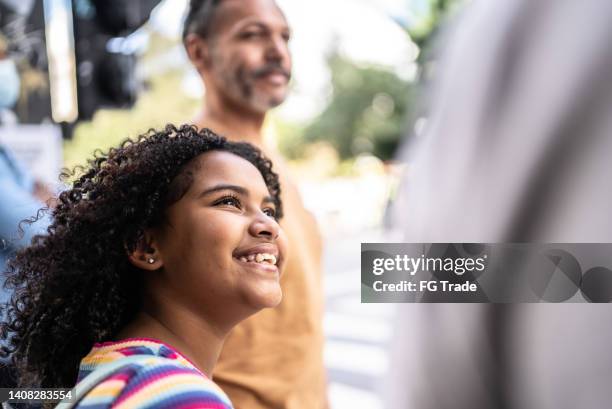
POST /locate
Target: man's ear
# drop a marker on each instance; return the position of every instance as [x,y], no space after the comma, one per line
[198,51]
[146,256]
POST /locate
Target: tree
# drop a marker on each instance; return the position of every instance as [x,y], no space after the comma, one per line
[366,110]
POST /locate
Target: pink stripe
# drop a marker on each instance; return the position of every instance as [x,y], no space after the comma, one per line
[132,350]
[198,405]
[121,376]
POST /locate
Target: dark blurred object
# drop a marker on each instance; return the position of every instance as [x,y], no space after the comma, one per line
[105,69]
[105,63]
[121,17]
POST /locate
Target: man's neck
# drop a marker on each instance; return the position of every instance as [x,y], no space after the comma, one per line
[232,122]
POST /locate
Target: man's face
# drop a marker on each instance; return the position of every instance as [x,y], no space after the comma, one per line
[249,61]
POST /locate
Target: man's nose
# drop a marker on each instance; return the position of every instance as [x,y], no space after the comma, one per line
[277,49]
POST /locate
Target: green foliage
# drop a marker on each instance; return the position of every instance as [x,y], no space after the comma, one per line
[289,138]
[369,107]
[366,110]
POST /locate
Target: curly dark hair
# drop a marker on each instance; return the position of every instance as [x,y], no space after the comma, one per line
[74,286]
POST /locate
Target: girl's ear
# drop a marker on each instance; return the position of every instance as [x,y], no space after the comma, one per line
[146,256]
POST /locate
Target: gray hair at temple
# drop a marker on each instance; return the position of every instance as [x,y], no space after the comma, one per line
[200,17]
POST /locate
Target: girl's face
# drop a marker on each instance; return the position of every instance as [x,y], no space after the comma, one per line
[221,250]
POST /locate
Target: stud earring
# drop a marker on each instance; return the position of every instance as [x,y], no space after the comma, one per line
[150,260]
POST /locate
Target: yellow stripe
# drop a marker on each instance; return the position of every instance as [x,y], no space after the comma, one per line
[110,357]
[109,388]
[99,359]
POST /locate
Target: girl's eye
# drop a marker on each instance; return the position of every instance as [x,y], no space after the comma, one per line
[270,212]
[229,201]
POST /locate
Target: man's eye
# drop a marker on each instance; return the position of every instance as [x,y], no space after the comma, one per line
[229,201]
[250,34]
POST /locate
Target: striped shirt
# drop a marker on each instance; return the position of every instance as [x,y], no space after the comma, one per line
[167,380]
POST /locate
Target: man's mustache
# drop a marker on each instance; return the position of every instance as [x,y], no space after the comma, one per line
[271,69]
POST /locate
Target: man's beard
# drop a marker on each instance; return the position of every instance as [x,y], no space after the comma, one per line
[240,84]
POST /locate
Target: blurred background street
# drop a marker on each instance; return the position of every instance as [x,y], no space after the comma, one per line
[357,335]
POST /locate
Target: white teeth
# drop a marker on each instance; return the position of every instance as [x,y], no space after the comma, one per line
[259,258]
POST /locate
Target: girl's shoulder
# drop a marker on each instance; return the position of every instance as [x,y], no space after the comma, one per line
[148,374]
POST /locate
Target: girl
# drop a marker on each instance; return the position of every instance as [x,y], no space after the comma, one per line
[161,246]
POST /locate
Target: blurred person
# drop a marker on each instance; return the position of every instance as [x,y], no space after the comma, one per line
[157,250]
[517,149]
[240,48]
[22,195]
[21,199]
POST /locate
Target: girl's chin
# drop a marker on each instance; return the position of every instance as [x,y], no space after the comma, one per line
[276,300]
[270,298]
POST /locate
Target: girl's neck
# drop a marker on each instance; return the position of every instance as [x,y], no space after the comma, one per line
[198,341]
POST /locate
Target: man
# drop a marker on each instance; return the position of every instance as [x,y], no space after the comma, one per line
[240,48]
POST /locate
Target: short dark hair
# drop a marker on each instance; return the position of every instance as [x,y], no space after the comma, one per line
[199,17]
[75,286]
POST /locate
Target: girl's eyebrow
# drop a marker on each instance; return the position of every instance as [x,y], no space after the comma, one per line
[238,189]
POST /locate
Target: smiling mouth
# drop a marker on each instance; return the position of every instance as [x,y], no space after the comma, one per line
[267,265]
[264,257]
[259,258]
